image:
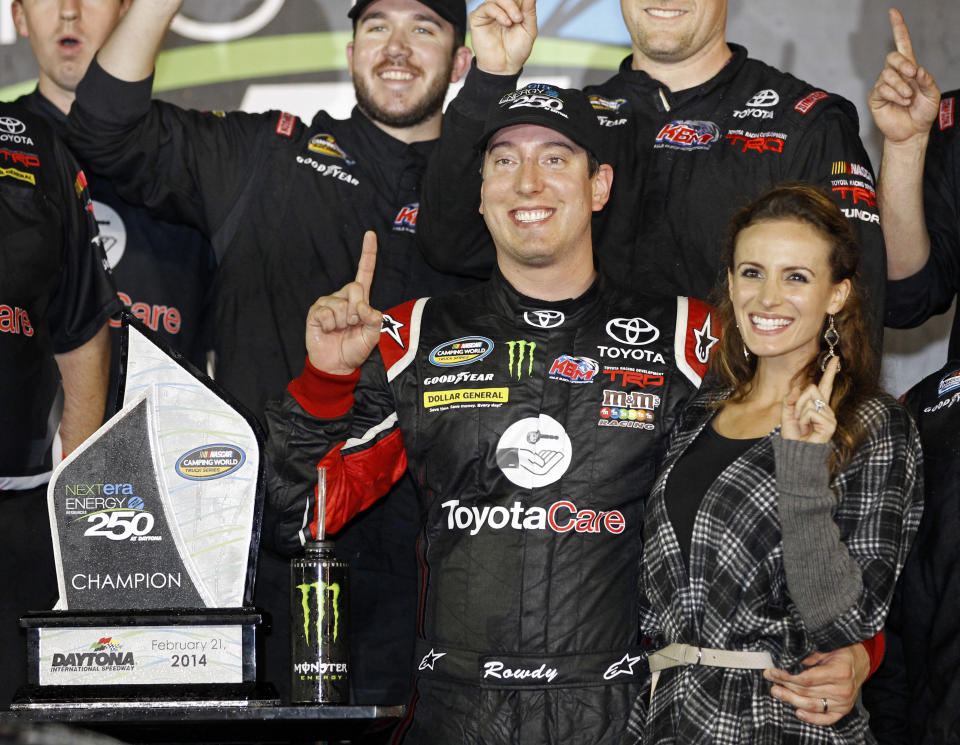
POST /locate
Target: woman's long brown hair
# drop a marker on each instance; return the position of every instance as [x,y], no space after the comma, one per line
[859,375]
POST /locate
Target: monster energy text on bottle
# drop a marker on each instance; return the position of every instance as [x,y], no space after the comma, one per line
[319,625]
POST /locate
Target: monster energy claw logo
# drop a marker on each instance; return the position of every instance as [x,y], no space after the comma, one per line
[524,349]
[334,591]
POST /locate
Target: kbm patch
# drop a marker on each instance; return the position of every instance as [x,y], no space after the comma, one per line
[406,219]
[326,145]
[948,383]
[210,462]
[606,104]
[461,351]
[466,396]
[688,135]
[576,370]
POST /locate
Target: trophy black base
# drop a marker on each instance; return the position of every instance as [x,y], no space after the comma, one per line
[173,657]
[33,697]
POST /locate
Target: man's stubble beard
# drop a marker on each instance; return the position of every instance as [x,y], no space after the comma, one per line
[427,106]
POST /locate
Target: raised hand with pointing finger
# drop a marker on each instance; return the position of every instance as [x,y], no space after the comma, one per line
[806,414]
[905,99]
[342,328]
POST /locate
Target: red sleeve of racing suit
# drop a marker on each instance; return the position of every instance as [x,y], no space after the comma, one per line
[345,424]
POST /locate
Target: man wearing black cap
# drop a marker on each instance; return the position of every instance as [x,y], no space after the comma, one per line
[285,205]
[529,409]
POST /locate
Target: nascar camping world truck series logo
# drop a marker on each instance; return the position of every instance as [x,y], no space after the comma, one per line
[210,462]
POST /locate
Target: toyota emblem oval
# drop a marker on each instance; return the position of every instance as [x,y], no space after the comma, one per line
[633,331]
[544,319]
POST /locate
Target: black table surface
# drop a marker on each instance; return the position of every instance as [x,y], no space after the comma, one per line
[220,723]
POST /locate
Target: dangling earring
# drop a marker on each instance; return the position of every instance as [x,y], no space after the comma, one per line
[832,337]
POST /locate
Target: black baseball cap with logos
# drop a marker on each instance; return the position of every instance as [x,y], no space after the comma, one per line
[454,11]
[565,110]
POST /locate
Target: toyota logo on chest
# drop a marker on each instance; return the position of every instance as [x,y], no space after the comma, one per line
[633,331]
[12,126]
[544,319]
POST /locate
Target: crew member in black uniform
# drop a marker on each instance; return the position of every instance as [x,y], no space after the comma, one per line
[56,297]
[285,204]
[919,188]
[530,410]
[700,128]
[914,698]
[163,271]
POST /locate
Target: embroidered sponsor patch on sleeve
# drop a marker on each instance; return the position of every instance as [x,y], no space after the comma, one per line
[285,124]
[946,113]
[805,104]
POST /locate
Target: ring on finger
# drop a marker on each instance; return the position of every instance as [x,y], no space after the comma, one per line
[826,706]
[819,405]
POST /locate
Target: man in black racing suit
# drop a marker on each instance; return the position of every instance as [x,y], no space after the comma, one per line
[694,129]
[285,204]
[530,411]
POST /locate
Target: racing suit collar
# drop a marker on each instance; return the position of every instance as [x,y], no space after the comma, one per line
[383,145]
[527,311]
[40,105]
[645,86]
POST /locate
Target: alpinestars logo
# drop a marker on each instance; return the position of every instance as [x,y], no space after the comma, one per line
[391,327]
[519,352]
[622,666]
[430,659]
[705,341]
[318,597]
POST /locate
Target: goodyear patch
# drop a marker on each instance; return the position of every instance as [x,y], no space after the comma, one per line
[210,462]
[466,396]
[461,351]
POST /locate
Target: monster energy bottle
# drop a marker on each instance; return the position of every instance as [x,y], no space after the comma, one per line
[319,619]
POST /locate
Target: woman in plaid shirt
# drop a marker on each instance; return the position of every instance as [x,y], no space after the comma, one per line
[788,497]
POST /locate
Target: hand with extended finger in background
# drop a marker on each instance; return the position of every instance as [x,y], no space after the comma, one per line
[502,34]
[905,99]
[342,328]
[806,414]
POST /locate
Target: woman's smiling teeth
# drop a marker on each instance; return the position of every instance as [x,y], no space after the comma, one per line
[769,324]
[531,215]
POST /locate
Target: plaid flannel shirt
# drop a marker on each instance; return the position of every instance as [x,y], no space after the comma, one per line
[736,598]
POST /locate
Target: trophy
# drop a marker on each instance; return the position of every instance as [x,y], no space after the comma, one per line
[155,522]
